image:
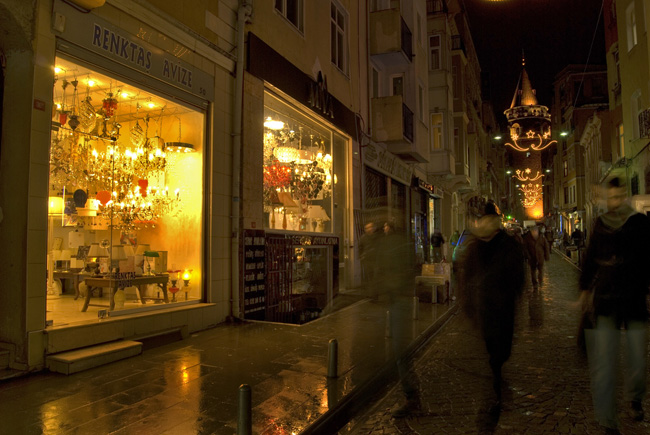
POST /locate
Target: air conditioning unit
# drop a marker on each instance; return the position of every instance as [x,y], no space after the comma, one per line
[644,124]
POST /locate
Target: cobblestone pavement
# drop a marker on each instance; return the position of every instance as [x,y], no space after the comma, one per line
[547,383]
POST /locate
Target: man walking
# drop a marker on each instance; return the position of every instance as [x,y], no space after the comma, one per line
[368,256]
[537,251]
[614,283]
[490,276]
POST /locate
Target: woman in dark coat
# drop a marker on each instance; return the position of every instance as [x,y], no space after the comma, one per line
[490,278]
[537,252]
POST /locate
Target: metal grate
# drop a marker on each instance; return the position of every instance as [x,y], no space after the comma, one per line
[278,278]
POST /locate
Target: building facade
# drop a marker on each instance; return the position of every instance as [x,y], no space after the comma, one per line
[113,153]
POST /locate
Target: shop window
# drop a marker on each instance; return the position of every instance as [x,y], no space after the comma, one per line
[338,35]
[303,178]
[126,197]
[292,10]
[621,141]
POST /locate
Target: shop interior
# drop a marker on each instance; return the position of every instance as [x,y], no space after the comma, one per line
[125,200]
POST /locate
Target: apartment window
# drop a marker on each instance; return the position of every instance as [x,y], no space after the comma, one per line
[436,131]
[397,84]
[630,16]
[566,195]
[434,52]
[457,143]
[375,83]
[338,37]
[291,10]
[566,167]
[621,141]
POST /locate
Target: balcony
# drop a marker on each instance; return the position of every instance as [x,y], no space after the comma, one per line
[393,125]
[391,41]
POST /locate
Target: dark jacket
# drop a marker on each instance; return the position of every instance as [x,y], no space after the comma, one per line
[617,268]
[490,277]
[537,250]
[395,265]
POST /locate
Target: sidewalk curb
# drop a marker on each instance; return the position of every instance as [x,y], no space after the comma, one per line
[567,259]
[348,407]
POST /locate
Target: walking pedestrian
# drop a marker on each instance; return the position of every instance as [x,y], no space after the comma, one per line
[614,284]
[396,279]
[368,256]
[490,270]
[537,251]
[437,240]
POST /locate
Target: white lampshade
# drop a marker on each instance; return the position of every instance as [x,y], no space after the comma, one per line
[118,253]
[142,247]
[65,255]
[130,252]
[95,251]
[317,212]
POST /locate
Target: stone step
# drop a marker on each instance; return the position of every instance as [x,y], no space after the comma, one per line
[83,359]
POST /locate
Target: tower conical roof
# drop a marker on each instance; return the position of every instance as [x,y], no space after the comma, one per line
[524,94]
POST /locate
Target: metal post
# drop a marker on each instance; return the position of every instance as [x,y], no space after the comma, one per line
[416,307]
[333,359]
[244,413]
[388,331]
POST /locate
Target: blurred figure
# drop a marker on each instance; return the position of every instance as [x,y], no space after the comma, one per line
[368,256]
[453,241]
[549,236]
[577,237]
[437,240]
[490,270]
[396,279]
[537,251]
[614,284]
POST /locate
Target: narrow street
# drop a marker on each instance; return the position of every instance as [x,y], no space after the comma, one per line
[547,383]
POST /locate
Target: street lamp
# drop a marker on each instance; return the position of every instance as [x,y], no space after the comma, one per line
[564,133]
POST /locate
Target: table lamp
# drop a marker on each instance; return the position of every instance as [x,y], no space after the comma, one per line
[187,275]
[140,250]
[92,259]
[148,255]
[117,254]
[318,216]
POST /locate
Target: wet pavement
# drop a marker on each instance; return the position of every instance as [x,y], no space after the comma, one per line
[191,386]
[546,376]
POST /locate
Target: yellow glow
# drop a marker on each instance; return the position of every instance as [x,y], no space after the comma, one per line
[91,83]
[57,69]
[273,125]
[187,274]
[151,105]
[58,106]
[125,95]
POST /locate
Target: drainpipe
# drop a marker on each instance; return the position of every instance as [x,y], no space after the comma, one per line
[243,14]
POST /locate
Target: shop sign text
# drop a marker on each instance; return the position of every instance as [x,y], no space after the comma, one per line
[314,240]
[120,46]
[319,98]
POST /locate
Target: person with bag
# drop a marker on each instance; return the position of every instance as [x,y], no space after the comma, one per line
[615,275]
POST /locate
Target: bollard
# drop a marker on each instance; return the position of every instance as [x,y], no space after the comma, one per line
[388,330]
[416,307]
[244,413]
[333,358]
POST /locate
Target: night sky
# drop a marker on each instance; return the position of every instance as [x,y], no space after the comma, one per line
[553,34]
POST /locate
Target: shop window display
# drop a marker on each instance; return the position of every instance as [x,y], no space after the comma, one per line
[126,197]
[298,170]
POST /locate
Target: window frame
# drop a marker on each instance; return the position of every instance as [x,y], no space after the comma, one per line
[340,42]
[300,26]
[437,128]
[435,51]
[630,25]
[392,85]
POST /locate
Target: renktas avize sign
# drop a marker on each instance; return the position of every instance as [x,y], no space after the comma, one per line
[101,37]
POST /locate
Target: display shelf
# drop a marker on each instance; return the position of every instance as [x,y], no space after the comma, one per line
[254,275]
